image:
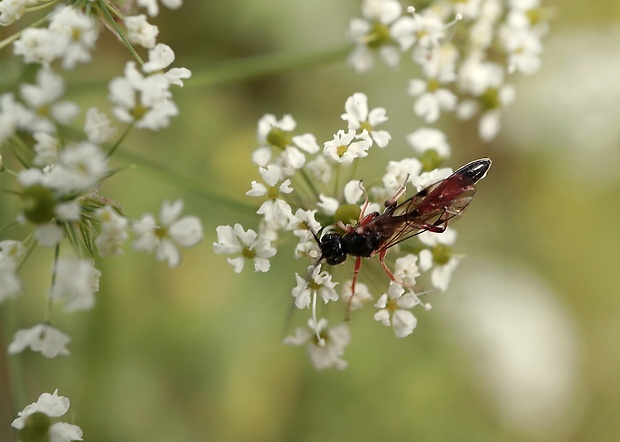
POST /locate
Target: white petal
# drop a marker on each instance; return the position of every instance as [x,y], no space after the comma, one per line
[237,263]
[383,316]
[170,211]
[261,264]
[404,322]
[186,232]
[168,251]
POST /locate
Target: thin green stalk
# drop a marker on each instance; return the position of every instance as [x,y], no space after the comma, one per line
[192,184]
[120,139]
[310,184]
[103,7]
[217,73]
[48,309]
[39,7]
[15,373]
[259,65]
[7,41]
[8,226]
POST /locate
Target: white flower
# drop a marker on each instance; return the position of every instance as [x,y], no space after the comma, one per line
[171,233]
[43,338]
[476,77]
[429,29]
[80,166]
[12,115]
[51,405]
[523,47]
[359,118]
[439,257]
[328,204]
[248,244]
[383,29]
[160,57]
[406,270]
[431,99]
[489,124]
[113,231]
[344,150]
[427,138]
[425,179]
[326,352]
[39,45]
[319,169]
[491,102]
[68,212]
[143,100]
[399,171]
[304,227]
[267,123]
[362,294]
[152,8]
[277,135]
[97,126]
[75,284]
[11,249]
[10,285]
[319,283]
[43,98]
[352,194]
[12,10]
[274,209]
[469,9]
[303,223]
[140,31]
[45,149]
[49,234]
[353,191]
[384,11]
[394,310]
[77,32]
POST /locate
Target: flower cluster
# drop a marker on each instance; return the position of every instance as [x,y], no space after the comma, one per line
[59,167]
[464,51]
[34,423]
[306,192]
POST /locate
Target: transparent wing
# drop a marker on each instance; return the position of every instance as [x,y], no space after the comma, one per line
[431,209]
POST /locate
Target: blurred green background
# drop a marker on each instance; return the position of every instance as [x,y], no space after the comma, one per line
[525,344]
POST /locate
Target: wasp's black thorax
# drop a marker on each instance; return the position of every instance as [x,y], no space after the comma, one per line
[361,244]
[335,247]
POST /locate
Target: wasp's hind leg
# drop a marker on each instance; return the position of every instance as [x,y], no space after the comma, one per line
[411,288]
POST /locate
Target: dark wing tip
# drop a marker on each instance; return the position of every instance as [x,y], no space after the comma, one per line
[476,170]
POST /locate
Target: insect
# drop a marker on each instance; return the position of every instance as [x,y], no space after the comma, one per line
[431,209]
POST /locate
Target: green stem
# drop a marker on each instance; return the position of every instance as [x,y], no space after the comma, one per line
[105,12]
[8,226]
[241,69]
[194,185]
[39,7]
[120,139]
[310,183]
[13,363]
[7,41]
[48,308]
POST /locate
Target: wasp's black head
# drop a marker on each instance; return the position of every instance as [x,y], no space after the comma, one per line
[333,249]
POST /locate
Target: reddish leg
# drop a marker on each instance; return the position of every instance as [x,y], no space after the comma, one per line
[356,270]
[387,270]
[401,283]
